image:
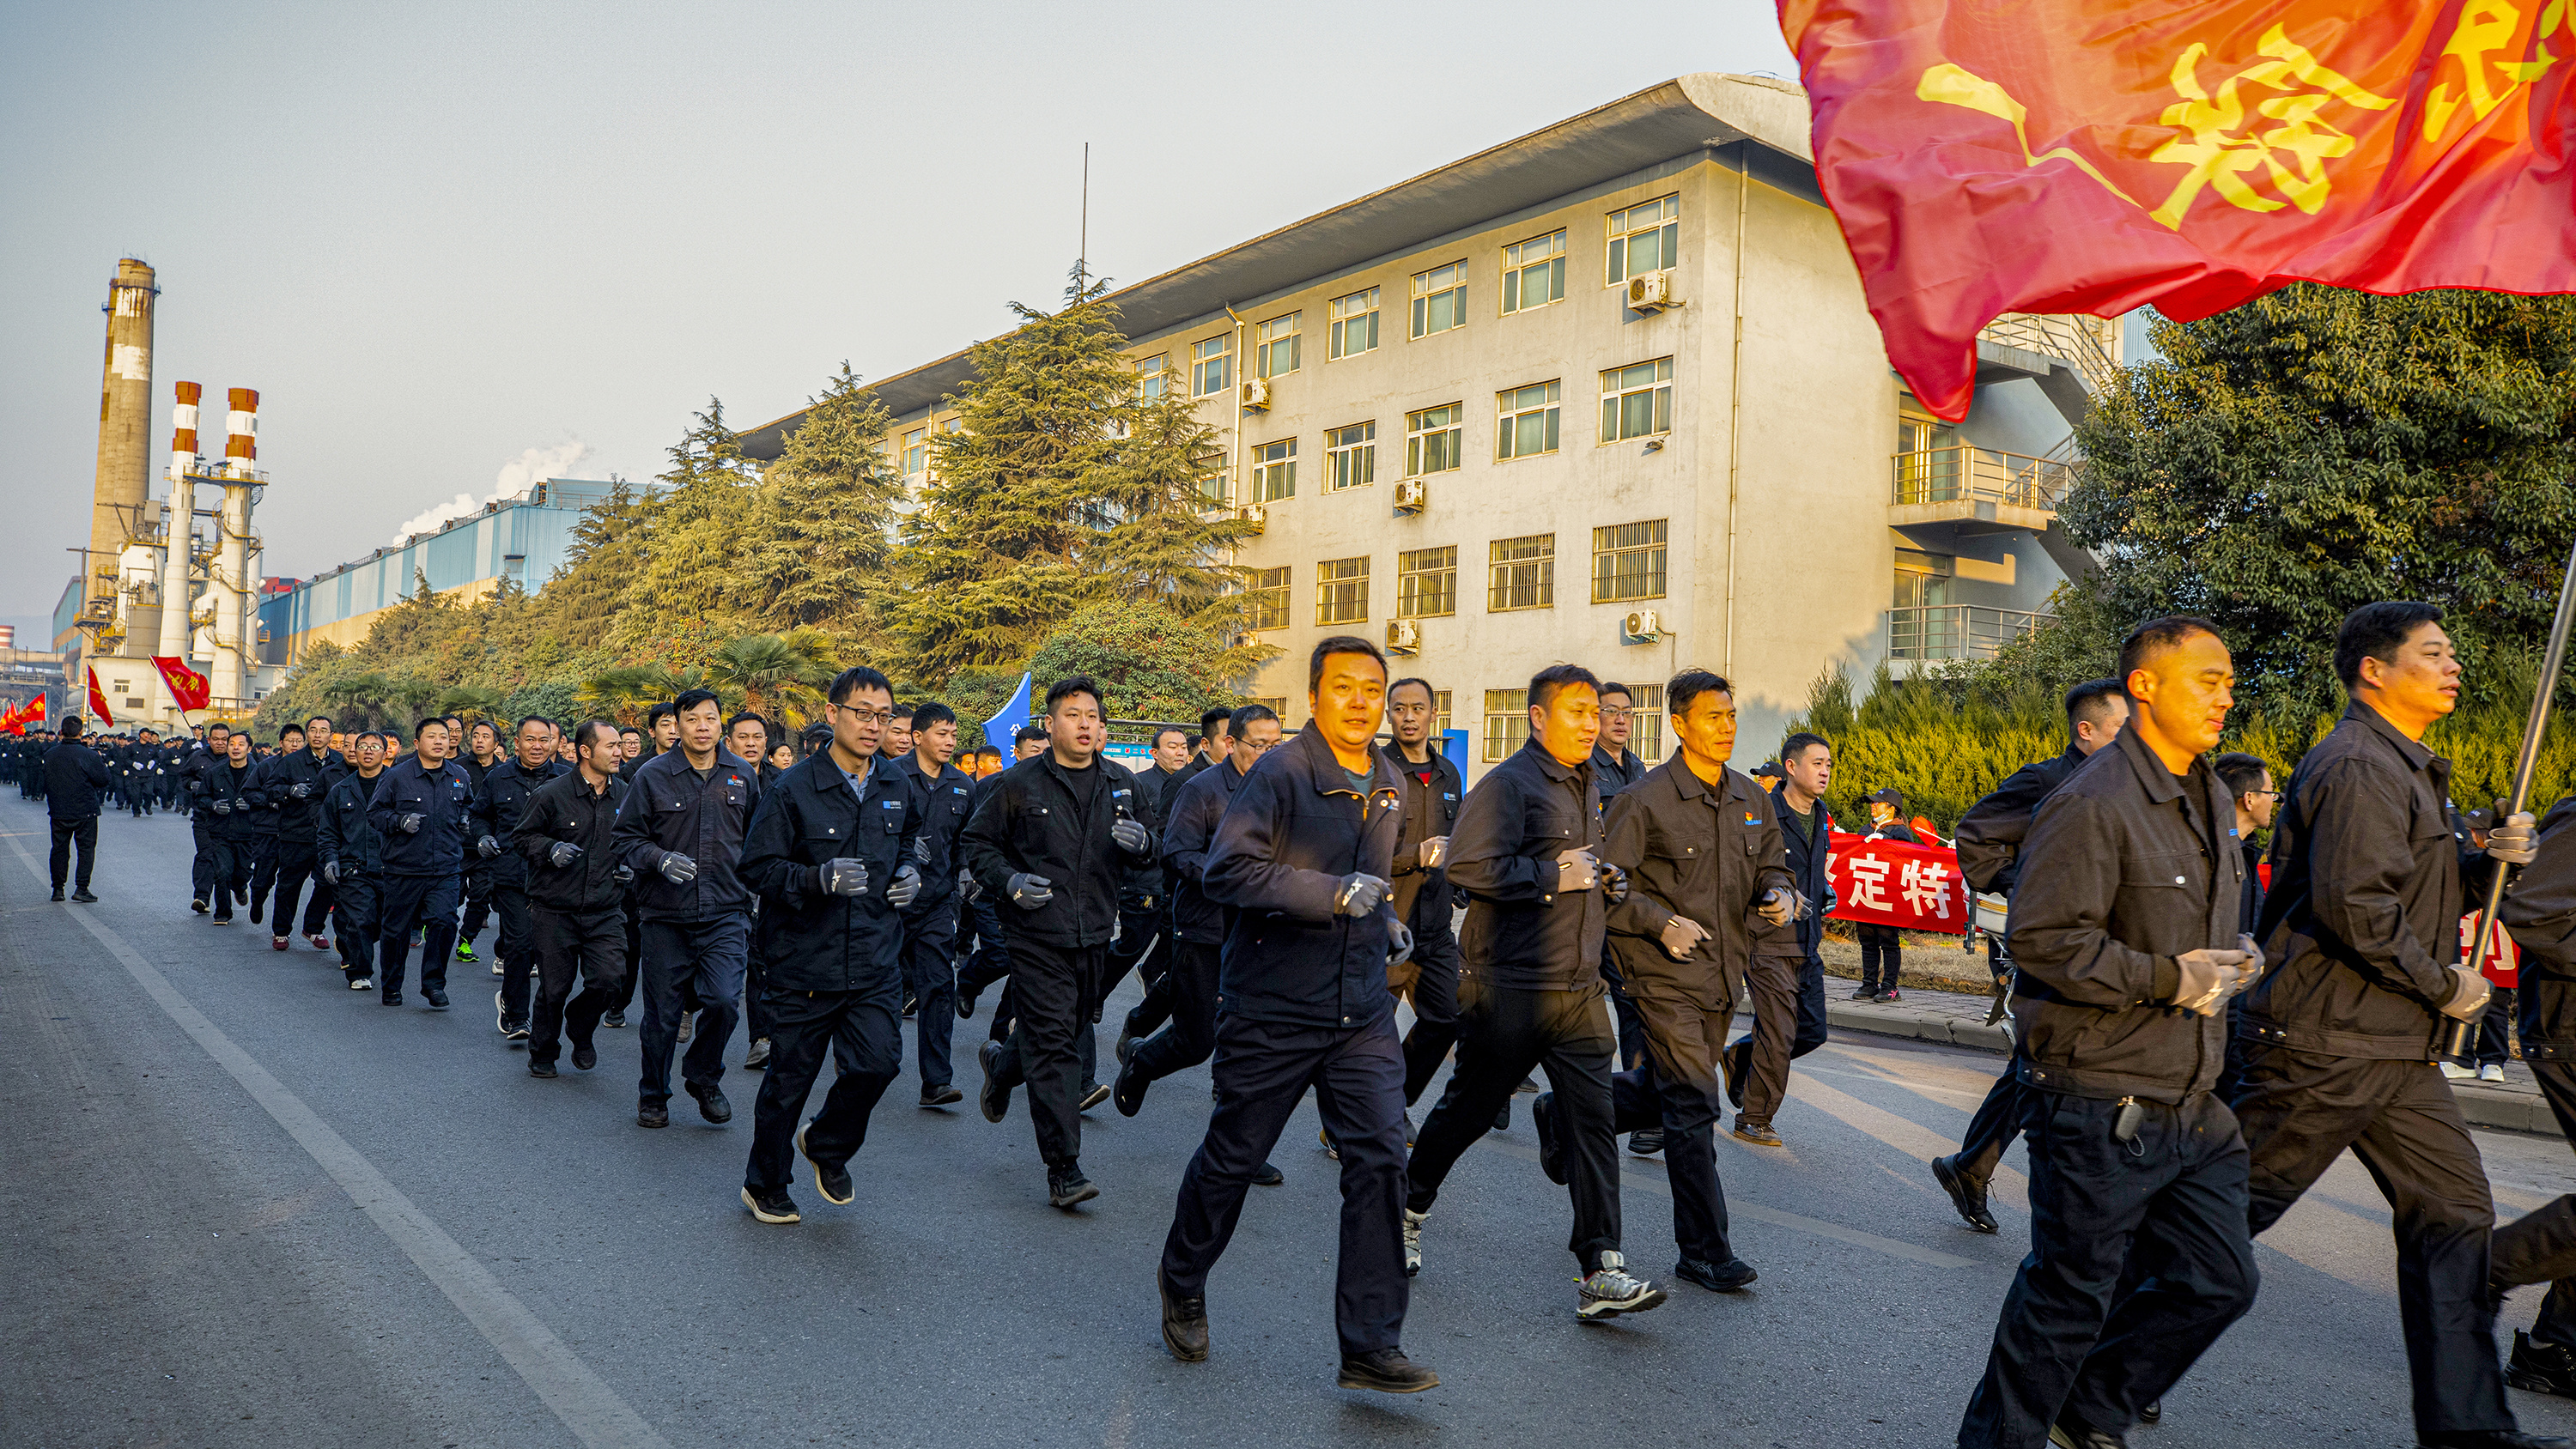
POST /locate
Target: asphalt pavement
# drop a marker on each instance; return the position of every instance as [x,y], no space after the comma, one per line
[243,1205]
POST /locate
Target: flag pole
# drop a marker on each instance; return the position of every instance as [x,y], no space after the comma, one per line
[2456,1036]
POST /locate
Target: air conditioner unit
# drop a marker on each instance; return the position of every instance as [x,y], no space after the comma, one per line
[1256,394]
[1651,292]
[1255,515]
[1412,495]
[1403,636]
[1641,627]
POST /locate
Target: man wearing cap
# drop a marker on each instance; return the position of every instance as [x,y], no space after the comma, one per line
[1882,948]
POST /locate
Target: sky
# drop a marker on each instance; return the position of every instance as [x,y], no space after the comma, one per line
[461,247]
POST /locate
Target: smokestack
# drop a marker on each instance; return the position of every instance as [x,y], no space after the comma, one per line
[230,583]
[124,422]
[183,512]
[241,430]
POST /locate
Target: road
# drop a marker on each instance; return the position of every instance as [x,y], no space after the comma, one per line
[243,1205]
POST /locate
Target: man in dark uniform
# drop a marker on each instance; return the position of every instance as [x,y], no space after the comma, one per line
[1053,841]
[831,854]
[2249,784]
[195,780]
[991,960]
[142,769]
[2540,1246]
[2370,876]
[2123,929]
[1615,767]
[1525,851]
[74,776]
[500,796]
[353,861]
[1989,842]
[1705,865]
[941,793]
[747,735]
[266,812]
[1301,858]
[1212,748]
[294,782]
[1787,976]
[228,795]
[481,753]
[420,814]
[1433,790]
[1161,781]
[576,896]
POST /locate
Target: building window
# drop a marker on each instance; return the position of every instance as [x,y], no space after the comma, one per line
[916,455]
[1431,440]
[1646,725]
[1522,573]
[1637,401]
[1525,424]
[1266,599]
[1276,351]
[1439,716]
[1341,591]
[1644,238]
[1426,583]
[1534,272]
[1628,562]
[1506,723]
[1274,471]
[1153,375]
[1212,365]
[1440,299]
[1276,704]
[1350,456]
[1354,325]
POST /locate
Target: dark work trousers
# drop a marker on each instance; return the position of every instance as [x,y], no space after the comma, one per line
[231,872]
[516,950]
[479,882]
[68,833]
[1632,1027]
[864,1030]
[1996,1123]
[206,869]
[1678,1090]
[992,959]
[2493,1048]
[689,963]
[355,907]
[259,856]
[930,979]
[426,901]
[1263,1069]
[2540,1246]
[2231,1075]
[1430,982]
[1006,1014]
[2300,1111]
[1052,991]
[1882,950]
[295,867]
[2139,1260]
[1190,1037]
[1141,947]
[1147,1016]
[591,945]
[1788,1023]
[1504,1033]
[624,996]
[755,983]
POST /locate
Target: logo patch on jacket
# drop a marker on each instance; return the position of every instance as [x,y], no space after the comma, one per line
[1752,819]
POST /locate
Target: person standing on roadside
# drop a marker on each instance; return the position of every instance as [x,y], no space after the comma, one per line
[565,843]
[420,812]
[74,776]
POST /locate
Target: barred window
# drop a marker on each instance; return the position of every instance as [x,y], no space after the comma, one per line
[1506,722]
[1266,593]
[1431,439]
[1646,725]
[1628,562]
[1637,401]
[1523,573]
[1426,582]
[1350,457]
[1341,591]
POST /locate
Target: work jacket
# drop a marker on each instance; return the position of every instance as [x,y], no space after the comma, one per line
[2540,912]
[1610,776]
[232,787]
[1430,811]
[2130,866]
[74,774]
[1503,853]
[500,797]
[1990,834]
[1807,857]
[296,815]
[1295,829]
[565,808]
[945,803]
[341,830]
[811,939]
[2371,873]
[1040,818]
[669,811]
[440,797]
[1189,827]
[1708,852]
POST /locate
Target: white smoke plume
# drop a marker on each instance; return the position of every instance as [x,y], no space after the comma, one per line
[530,468]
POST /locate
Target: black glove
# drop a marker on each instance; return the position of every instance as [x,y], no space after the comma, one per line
[1614,884]
[564,853]
[624,875]
[1029,892]
[1359,895]
[905,888]
[487,847]
[410,823]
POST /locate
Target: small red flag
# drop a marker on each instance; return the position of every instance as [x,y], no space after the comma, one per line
[187,686]
[2095,156]
[98,700]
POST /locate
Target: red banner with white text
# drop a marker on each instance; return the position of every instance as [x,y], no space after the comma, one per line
[1885,883]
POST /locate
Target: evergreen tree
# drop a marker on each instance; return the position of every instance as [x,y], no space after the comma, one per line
[1168,543]
[608,547]
[825,516]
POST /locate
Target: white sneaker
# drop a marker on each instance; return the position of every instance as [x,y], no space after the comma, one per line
[2458,1073]
[1610,1291]
[1413,1222]
[363,983]
[2491,1072]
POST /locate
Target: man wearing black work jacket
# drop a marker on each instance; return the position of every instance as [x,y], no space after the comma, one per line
[2370,876]
[74,776]
[564,841]
[2124,929]
[1050,846]
[500,798]
[2540,1246]
[944,794]
[419,813]
[1301,859]
[831,854]
[1433,790]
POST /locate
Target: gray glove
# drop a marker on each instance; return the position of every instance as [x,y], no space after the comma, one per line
[678,869]
[842,876]
[904,888]
[223,807]
[1131,835]
[921,849]
[1614,884]
[563,853]
[487,847]
[1399,943]
[1682,935]
[1577,870]
[1433,851]
[331,871]
[624,875]
[1779,905]
[2513,839]
[301,789]
[1359,895]
[2208,979]
[969,887]
[1029,892]
[409,824]
[2469,992]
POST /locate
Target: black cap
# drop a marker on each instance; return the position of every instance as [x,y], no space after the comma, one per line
[1768,770]
[1889,796]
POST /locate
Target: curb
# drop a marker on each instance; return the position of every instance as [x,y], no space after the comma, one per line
[2495,1108]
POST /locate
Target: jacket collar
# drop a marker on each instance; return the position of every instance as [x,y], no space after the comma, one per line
[1554,768]
[1324,767]
[2162,785]
[2412,751]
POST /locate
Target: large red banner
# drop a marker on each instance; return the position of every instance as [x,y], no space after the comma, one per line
[1885,883]
[2094,156]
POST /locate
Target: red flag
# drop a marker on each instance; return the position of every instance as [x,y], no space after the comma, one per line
[187,686]
[98,701]
[2096,156]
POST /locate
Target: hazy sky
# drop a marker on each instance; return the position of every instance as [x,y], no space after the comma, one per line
[456,246]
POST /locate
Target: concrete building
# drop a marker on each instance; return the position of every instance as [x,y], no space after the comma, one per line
[1606,393]
[522,540]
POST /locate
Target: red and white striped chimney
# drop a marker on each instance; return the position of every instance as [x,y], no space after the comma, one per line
[241,429]
[183,421]
[181,518]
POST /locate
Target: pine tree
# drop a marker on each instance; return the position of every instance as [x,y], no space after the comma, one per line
[1169,543]
[607,553]
[825,516]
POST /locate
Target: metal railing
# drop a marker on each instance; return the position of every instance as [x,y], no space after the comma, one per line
[1963,474]
[1956,631]
[2069,339]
